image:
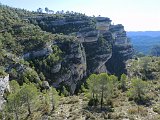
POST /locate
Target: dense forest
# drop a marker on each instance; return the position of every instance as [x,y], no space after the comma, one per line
[66,65]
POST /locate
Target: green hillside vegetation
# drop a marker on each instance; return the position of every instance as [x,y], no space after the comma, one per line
[133,95]
[26,101]
[18,36]
[146,68]
[103,97]
[16,32]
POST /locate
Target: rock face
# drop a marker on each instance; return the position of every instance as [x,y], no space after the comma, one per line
[4,85]
[103,24]
[97,55]
[56,68]
[122,50]
[73,67]
[102,48]
[45,85]
[21,72]
[40,53]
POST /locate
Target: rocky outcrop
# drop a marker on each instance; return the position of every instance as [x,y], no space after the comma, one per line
[103,24]
[109,53]
[122,50]
[22,72]
[4,86]
[45,85]
[97,55]
[47,50]
[73,67]
[56,68]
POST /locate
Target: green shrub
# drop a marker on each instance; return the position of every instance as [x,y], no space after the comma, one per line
[133,110]
[156,109]
[93,102]
[114,116]
[1,115]
[138,90]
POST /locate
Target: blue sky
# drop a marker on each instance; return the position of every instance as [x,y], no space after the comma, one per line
[135,15]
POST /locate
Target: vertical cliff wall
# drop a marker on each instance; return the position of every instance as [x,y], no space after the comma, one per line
[73,66]
[99,47]
[122,50]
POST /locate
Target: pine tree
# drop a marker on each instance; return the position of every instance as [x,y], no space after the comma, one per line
[138,90]
[92,84]
[123,82]
[54,98]
[28,94]
[13,104]
[14,86]
[102,86]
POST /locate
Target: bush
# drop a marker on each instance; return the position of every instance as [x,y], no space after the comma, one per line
[1,115]
[138,110]
[132,111]
[157,117]
[157,88]
[114,116]
[93,102]
[143,111]
[156,109]
[138,91]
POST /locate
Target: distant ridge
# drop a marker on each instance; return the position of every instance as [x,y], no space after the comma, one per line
[143,41]
[144,33]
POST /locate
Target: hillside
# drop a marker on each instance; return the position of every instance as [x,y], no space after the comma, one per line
[66,55]
[53,66]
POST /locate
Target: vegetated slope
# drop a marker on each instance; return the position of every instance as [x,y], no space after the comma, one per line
[144,41]
[36,41]
[76,108]
[41,50]
[146,68]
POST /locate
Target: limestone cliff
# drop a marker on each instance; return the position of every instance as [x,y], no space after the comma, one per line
[122,50]
[73,66]
[101,47]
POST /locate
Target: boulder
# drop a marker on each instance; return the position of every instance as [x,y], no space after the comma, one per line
[56,68]
[45,85]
